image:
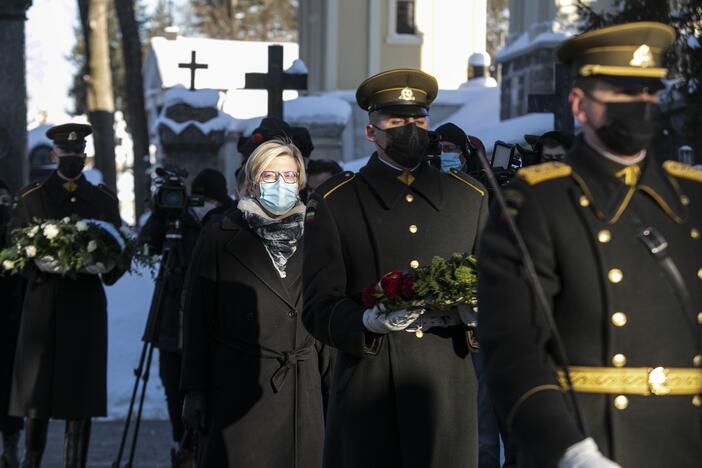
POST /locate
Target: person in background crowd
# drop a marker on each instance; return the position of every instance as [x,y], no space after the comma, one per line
[254,378]
[319,170]
[11,293]
[60,369]
[551,146]
[209,184]
[453,138]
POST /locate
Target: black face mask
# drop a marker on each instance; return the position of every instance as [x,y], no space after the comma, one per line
[406,145]
[630,126]
[71,166]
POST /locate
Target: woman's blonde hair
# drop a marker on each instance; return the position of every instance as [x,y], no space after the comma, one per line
[262,157]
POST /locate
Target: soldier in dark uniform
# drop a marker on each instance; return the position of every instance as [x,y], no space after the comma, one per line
[61,363]
[615,238]
[397,400]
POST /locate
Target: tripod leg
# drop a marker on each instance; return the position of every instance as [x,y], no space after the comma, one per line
[137,419]
[138,373]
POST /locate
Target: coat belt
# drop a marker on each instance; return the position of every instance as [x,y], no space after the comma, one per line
[288,359]
[645,381]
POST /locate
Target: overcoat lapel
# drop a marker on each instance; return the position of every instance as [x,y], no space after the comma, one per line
[247,248]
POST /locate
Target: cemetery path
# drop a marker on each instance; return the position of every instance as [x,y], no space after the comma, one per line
[153,450]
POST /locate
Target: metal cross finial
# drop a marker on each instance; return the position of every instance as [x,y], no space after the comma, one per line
[193,66]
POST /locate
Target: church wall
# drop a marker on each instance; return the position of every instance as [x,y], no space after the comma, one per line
[352,52]
[311,15]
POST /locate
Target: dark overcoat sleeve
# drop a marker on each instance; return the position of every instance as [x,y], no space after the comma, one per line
[113,216]
[199,303]
[514,337]
[329,315]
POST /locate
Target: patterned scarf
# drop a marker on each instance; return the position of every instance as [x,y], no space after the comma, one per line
[279,235]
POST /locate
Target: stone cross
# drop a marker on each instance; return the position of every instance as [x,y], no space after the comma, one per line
[193,66]
[275,81]
[556,102]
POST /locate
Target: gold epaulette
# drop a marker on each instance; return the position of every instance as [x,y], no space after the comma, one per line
[682,171]
[545,171]
[105,189]
[345,178]
[29,189]
[463,178]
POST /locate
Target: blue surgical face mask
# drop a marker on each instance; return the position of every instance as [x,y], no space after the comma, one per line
[278,197]
[451,161]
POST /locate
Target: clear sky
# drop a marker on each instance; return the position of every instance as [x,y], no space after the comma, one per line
[50,35]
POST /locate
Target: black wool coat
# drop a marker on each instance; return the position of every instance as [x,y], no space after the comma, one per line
[61,363]
[396,400]
[612,303]
[245,348]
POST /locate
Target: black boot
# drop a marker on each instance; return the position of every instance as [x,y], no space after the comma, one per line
[75,443]
[35,442]
[10,455]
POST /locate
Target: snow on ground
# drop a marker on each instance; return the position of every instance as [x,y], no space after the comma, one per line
[128,306]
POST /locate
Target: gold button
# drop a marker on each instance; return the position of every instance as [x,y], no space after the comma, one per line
[699,273]
[73,199]
[409,198]
[695,233]
[619,319]
[414,264]
[621,402]
[413,229]
[699,318]
[616,275]
[604,236]
[697,401]
[619,360]
[697,361]
[584,202]
[685,200]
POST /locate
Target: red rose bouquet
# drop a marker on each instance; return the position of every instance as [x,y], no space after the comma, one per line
[440,286]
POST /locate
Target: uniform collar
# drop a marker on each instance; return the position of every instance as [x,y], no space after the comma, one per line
[604,182]
[54,186]
[391,184]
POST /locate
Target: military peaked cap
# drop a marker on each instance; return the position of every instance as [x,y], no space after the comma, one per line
[398,92]
[70,135]
[625,54]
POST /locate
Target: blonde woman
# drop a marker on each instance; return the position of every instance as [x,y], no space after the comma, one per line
[251,372]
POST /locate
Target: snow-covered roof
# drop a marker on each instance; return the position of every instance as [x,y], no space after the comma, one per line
[196,98]
[526,44]
[227,61]
[306,111]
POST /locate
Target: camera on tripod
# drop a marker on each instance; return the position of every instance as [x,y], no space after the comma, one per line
[171,194]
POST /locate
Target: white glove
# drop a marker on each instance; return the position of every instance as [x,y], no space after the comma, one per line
[98,268]
[47,264]
[585,454]
[378,321]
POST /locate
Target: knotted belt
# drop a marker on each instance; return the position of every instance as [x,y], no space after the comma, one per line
[645,381]
[288,359]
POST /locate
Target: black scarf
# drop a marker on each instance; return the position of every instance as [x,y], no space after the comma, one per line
[279,235]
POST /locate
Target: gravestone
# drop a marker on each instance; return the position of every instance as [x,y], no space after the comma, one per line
[192,132]
[276,81]
[556,102]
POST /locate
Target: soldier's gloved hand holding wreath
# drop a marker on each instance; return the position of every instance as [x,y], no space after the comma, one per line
[441,294]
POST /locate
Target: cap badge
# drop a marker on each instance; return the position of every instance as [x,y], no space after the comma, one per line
[72,136]
[406,95]
[642,57]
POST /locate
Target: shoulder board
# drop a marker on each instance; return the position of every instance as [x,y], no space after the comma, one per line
[29,189]
[467,181]
[336,183]
[545,171]
[105,189]
[682,171]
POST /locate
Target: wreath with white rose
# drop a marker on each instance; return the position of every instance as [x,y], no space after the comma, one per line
[72,245]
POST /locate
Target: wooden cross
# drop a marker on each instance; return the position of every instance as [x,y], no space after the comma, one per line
[193,66]
[275,81]
[556,102]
